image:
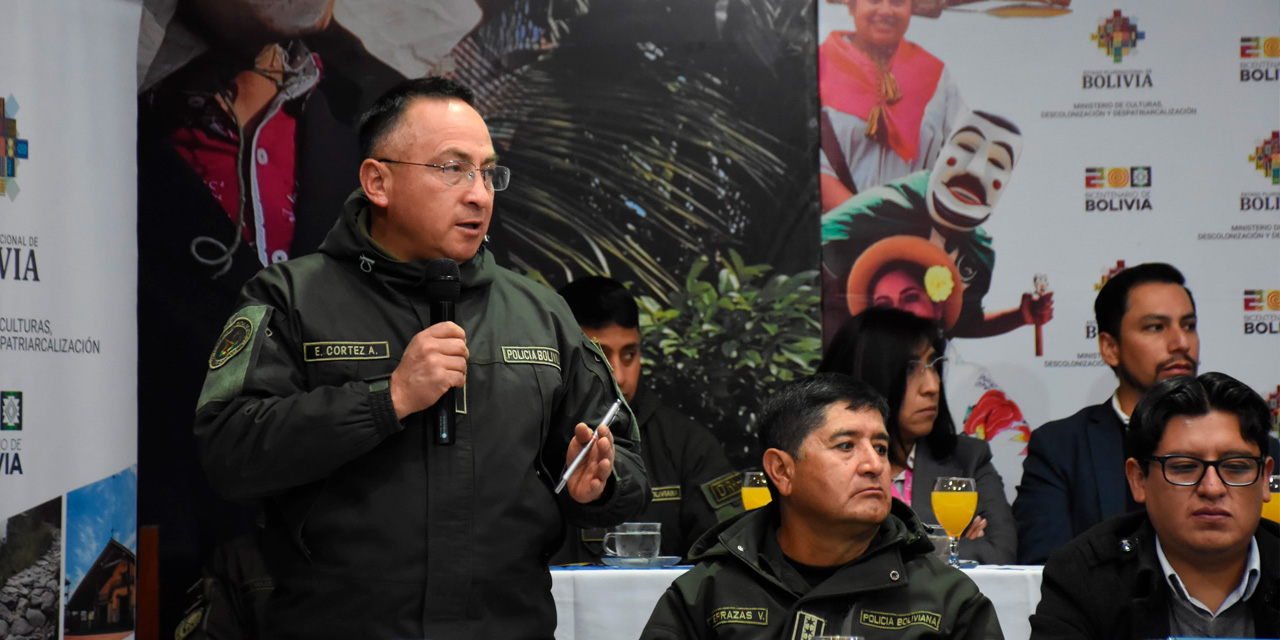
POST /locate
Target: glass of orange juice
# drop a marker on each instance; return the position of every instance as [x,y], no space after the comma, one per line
[955,501]
[755,490]
[1271,510]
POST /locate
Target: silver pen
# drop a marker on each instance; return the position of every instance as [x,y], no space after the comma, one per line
[573,466]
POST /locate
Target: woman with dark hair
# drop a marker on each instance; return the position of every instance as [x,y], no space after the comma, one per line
[900,354]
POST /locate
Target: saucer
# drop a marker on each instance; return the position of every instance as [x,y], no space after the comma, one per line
[641,563]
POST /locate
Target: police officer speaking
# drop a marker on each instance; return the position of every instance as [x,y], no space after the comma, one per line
[315,396]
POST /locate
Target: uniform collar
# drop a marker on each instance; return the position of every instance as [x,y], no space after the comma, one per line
[743,535]
[349,240]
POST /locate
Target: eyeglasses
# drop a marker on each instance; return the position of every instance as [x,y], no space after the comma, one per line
[1185,471]
[495,177]
[917,367]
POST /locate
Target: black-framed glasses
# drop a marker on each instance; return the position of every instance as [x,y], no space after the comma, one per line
[917,366]
[452,172]
[1186,471]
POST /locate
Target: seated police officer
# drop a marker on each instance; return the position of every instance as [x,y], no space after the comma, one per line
[833,553]
[694,486]
[1199,561]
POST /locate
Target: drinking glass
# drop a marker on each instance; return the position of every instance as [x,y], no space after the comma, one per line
[941,541]
[955,501]
[755,490]
[1271,510]
[634,540]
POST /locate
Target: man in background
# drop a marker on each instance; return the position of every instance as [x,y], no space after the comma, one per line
[694,486]
[833,553]
[1199,562]
[1073,475]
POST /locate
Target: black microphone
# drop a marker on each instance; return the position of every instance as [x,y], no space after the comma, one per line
[443,284]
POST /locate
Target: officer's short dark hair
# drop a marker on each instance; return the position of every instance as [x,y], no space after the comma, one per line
[597,302]
[385,113]
[799,408]
[1195,396]
[1113,300]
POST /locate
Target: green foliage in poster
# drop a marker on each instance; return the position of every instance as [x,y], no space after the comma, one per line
[730,337]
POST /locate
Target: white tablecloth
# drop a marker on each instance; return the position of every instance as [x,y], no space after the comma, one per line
[600,603]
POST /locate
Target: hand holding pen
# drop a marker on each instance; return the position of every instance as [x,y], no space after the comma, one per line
[594,455]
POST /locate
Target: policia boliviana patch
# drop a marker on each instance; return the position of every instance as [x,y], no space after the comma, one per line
[531,355]
[897,621]
[233,340]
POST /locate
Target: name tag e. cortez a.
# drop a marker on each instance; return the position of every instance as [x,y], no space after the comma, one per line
[325,351]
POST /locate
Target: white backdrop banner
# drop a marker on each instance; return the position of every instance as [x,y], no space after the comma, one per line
[1149,134]
[68,337]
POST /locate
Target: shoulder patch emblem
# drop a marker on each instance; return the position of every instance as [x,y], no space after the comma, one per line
[885,620]
[739,615]
[531,355]
[188,624]
[723,490]
[232,341]
[808,626]
[667,494]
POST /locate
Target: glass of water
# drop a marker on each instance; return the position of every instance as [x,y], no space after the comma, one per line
[634,540]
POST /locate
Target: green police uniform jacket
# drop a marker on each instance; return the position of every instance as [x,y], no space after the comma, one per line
[694,485]
[744,588]
[373,531]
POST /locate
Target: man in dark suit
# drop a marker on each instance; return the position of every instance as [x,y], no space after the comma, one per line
[1198,562]
[1073,475]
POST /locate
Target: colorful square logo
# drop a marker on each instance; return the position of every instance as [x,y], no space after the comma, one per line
[1266,157]
[1140,177]
[1255,47]
[10,411]
[12,148]
[1117,177]
[1118,35]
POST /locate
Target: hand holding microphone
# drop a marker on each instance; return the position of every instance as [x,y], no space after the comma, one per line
[435,361]
[444,284]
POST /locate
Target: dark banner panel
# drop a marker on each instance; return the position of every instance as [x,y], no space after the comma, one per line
[669,145]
